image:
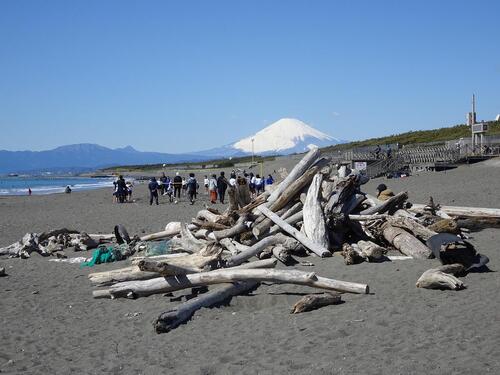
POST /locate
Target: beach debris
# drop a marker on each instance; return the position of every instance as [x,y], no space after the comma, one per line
[2,272]
[315,301]
[442,278]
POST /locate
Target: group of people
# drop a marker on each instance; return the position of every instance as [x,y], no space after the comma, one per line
[216,186]
[123,190]
[173,188]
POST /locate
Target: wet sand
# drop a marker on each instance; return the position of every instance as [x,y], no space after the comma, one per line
[51,325]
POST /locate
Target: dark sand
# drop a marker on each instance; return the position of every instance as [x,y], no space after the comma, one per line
[399,329]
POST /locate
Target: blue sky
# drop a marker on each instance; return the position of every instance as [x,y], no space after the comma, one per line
[191,75]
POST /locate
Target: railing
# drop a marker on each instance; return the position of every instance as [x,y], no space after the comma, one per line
[385,166]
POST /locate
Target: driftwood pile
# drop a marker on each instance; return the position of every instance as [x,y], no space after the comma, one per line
[317,209]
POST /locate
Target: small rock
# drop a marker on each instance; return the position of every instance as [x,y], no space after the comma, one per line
[35,292]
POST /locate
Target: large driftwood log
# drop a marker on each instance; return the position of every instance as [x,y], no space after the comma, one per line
[315,301]
[255,249]
[261,199]
[170,284]
[262,224]
[371,251]
[180,314]
[466,212]
[209,225]
[201,259]
[442,278]
[405,242]
[314,220]
[238,228]
[304,240]
[101,278]
[173,230]
[307,161]
[233,246]
[387,206]
[292,220]
[411,225]
[208,216]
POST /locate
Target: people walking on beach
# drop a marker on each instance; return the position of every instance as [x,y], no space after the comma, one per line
[130,188]
[169,192]
[205,183]
[222,187]
[192,187]
[251,185]
[259,184]
[153,191]
[389,152]
[232,179]
[269,180]
[121,189]
[177,185]
[184,186]
[29,191]
[212,189]
[162,183]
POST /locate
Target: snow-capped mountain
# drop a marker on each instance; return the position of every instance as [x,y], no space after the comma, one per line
[285,136]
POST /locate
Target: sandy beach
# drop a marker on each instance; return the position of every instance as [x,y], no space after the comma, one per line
[50,324]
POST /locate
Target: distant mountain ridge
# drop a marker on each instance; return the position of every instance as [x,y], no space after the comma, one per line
[83,156]
[285,136]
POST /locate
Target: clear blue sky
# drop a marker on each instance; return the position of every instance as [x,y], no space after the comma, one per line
[191,75]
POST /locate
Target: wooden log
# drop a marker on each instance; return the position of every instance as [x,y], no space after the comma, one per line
[197,260]
[233,246]
[292,220]
[303,165]
[391,204]
[465,212]
[442,278]
[262,224]
[344,189]
[208,216]
[405,242]
[161,235]
[104,293]
[314,220]
[281,253]
[371,251]
[108,237]
[238,228]
[202,233]
[303,239]
[351,254]
[208,225]
[242,193]
[253,250]
[367,217]
[180,314]
[413,226]
[169,284]
[165,269]
[261,199]
[315,301]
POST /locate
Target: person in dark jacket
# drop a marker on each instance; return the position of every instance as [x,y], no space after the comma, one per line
[192,187]
[121,189]
[153,191]
[177,185]
[222,187]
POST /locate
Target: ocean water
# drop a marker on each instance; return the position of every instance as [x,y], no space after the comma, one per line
[50,185]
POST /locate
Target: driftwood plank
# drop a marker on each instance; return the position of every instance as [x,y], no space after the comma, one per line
[314,247]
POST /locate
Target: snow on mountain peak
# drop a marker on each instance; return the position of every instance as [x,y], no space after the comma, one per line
[285,134]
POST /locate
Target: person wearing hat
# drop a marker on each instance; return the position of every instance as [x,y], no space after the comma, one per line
[383,193]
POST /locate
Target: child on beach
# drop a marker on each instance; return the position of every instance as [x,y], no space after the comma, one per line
[212,188]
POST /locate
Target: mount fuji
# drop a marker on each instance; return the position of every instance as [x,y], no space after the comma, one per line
[285,136]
